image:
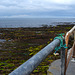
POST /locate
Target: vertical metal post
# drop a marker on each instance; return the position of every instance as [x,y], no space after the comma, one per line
[62,60]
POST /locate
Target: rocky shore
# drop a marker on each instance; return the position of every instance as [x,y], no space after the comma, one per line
[19,44]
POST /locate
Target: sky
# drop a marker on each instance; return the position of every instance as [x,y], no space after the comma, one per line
[37,8]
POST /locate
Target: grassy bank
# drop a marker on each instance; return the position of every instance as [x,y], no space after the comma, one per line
[19,44]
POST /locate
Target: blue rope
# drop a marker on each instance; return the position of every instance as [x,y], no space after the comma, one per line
[60,37]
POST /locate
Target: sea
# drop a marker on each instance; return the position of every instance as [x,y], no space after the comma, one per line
[34,22]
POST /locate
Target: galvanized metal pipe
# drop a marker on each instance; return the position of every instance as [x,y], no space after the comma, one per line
[62,60]
[33,62]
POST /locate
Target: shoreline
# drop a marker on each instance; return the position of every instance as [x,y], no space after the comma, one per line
[16,25]
[42,26]
[19,44]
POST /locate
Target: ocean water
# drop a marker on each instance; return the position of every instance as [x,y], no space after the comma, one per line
[33,22]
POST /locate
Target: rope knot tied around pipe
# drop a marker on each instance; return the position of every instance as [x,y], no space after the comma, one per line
[61,38]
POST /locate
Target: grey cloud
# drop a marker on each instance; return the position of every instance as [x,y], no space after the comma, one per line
[36,7]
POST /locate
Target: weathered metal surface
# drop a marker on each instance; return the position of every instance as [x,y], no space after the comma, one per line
[62,60]
[69,32]
[66,41]
[33,62]
[65,60]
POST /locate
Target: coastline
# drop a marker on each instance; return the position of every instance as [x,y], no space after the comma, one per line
[19,44]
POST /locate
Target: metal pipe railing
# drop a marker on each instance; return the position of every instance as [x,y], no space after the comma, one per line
[68,34]
[33,62]
[62,60]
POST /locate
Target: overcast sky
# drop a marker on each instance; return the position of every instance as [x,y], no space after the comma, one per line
[37,8]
